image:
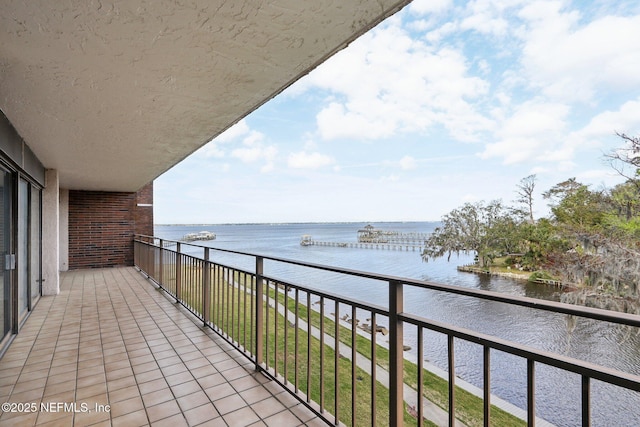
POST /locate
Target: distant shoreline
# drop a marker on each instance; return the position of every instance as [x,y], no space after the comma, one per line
[296,223]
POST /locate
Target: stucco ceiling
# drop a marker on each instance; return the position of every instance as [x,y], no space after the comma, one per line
[114,93]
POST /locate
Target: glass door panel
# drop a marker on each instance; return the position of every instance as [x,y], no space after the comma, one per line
[23,247]
[35,237]
[5,250]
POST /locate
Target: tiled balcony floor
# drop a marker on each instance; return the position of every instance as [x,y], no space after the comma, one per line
[110,338]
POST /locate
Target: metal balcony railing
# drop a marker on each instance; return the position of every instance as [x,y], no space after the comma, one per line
[328,362]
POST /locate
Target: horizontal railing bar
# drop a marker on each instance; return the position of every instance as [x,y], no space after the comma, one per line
[580,367]
[333,297]
[558,307]
[198,269]
[316,292]
[612,376]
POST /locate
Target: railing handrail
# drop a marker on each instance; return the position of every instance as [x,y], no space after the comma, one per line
[211,276]
[612,376]
[538,304]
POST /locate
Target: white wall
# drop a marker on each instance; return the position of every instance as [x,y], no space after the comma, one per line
[64,230]
[51,234]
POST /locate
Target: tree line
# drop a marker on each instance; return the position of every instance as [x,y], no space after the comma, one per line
[591,239]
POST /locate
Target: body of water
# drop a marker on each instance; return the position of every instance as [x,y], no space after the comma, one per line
[557,392]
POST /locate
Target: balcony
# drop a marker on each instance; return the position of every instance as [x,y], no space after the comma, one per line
[311,342]
[183,340]
[112,342]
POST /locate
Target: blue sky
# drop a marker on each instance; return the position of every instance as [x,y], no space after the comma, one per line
[444,103]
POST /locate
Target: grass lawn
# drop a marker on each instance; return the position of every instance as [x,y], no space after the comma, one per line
[231,310]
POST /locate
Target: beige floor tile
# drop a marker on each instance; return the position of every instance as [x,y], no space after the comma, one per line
[255,394]
[163,410]
[140,360]
[193,400]
[18,419]
[174,421]
[219,391]
[149,376]
[119,373]
[123,394]
[110,339]
[179,378]
[284,418]
[152,386]
[229,404]
[158,396]
[242,417]
[185,388]
[267,407]
[174,369]
[132,419]
[85,392]
[126,406]
[201,414]
[121,383]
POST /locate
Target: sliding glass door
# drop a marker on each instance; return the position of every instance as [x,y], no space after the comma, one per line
[35,239]
[5,252]
[20,250]
[23,248]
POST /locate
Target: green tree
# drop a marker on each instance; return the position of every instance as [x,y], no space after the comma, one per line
[487,230]
[542,240]
[575,206]
[622,219]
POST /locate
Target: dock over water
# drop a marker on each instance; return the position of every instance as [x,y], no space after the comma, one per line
[359,245]
[370,237]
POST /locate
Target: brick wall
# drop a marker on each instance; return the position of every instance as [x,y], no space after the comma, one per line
[102,225]
[143,213]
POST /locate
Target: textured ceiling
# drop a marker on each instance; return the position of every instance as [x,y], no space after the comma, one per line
[114,93]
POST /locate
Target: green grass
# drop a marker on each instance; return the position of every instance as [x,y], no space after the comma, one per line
[231,311]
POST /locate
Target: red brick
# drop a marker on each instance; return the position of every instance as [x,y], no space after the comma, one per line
[102,225]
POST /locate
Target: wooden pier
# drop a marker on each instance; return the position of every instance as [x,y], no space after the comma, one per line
[370,234]
[361,245]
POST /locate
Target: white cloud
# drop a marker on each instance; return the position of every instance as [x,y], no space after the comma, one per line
[338,121]
[539,131]
[234,132]
[304,160]
[248,154]
[571,62]
[407,163]
[253,149]
[255,153]
[426,7]
[213,147]
[387,83]
[390,178]
[535,131]
[625,120]
[483,20]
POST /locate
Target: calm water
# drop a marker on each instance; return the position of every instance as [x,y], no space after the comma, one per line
[557,393]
